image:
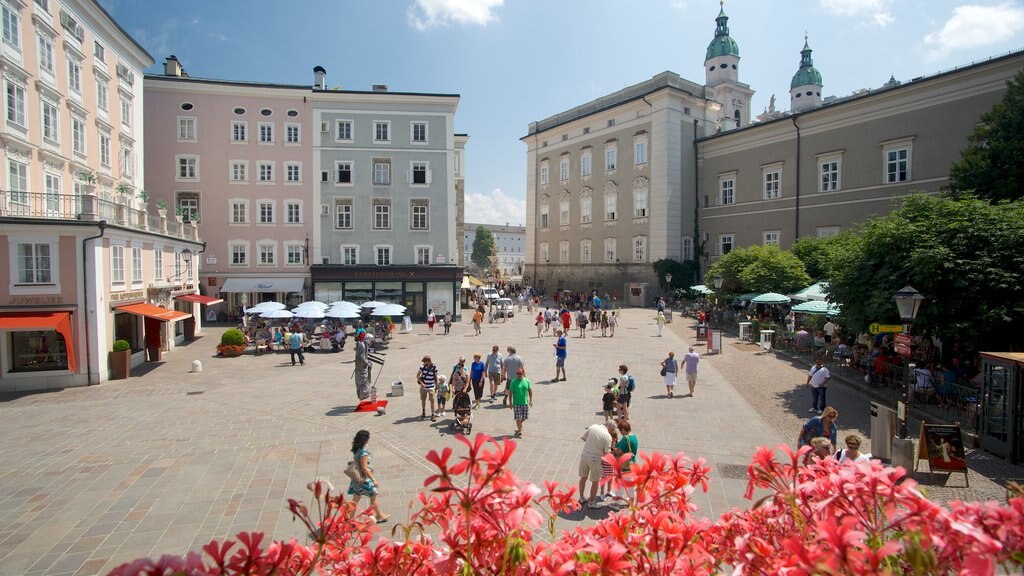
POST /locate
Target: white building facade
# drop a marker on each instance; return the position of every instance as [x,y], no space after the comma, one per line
[509,243]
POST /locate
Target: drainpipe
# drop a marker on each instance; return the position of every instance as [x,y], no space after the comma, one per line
[696,204]
[796,210]
[102,224]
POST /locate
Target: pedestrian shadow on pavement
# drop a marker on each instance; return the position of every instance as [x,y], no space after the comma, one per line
[584,513]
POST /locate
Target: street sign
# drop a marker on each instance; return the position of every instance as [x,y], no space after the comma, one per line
[876,328]
[902,344]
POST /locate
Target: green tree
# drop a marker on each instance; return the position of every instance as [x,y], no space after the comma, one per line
[819,254]
[683,273]
[483,248]
[966,257]
[992,164]
[758,269]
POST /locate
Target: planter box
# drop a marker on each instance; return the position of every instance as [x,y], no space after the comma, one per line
[229,351]
[120,365]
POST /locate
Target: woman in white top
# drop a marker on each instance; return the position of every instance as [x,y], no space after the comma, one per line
[852,451]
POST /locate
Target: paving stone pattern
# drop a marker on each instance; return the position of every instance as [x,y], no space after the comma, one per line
[167,460]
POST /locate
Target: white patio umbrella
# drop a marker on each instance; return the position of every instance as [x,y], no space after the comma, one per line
[335,312]
[277,314]
[313,304]
[372,304]
[389,310]
[770,298]
[265,307]
[702,289]
[310,313]
[344,304]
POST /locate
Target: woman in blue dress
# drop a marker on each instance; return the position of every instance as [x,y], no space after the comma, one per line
[369,485]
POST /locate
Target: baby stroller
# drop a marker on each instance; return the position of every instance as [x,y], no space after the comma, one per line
[462,406]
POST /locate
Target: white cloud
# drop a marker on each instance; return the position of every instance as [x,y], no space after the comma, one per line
[973,26]
[427,14]
[495,208]
[873,12]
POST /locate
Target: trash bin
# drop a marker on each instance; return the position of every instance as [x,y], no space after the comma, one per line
[744,331]
[883,428]
[702,332]
[766,339]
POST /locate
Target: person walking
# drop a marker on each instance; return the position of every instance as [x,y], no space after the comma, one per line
[604,323]
[447,322]
[690,359]
[817,379]
[494,362]
[427,379]
[478,318]
[295,347]
[547,320]
[476,377]
[431,319]
[613,321]
[669,367]
[661,323]
[626,386]
[522,399]
[560,355]
[852,452]
[597,441]
[370,484]
[820,426]
[539,323]
[509,368]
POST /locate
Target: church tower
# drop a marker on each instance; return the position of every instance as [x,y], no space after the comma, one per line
[805,89]
[721,68]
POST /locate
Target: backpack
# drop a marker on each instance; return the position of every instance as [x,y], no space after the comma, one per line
[630,383]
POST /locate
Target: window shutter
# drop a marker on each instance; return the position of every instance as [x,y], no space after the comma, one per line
[325,210]
[430,176]
[324,127]
[325,176]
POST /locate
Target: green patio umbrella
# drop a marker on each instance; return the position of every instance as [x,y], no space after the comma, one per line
[816,307]
[771,298]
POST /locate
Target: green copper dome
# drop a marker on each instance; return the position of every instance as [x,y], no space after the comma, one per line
[807,74]
[722,45]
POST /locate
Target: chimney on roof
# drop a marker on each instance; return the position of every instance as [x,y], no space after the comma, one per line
[172,67]
[380,87]
[319,78]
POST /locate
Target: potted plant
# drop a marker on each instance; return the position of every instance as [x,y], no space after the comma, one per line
[143,195]
[87,177]
[232,343]
[179,214]
[120,360]
[161,207]
[123,188]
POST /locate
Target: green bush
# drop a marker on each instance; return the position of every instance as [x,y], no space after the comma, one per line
[233,337]
[122,346]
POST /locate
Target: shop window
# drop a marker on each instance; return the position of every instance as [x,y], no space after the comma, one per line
[38,351]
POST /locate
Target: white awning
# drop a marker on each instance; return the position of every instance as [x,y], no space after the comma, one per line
[262,285]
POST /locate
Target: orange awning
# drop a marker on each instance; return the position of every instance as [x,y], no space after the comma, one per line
[150,311]
[59,321]
[208,300]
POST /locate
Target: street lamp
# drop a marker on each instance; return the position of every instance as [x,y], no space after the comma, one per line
[668,280]
[908,302]
[718,281]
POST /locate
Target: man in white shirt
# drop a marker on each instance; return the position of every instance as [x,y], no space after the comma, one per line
[597,441]
[817,379]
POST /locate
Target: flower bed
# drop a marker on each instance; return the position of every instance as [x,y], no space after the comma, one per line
[230,350]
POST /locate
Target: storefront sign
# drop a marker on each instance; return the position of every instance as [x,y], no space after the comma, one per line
[385,274]
[123,296]
[35,300]
[902,343]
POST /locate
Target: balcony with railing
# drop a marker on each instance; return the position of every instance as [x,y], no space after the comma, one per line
[92,208]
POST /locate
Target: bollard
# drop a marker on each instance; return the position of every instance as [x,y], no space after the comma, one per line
[197,366]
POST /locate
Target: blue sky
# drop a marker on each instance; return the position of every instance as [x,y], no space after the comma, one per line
[517,61]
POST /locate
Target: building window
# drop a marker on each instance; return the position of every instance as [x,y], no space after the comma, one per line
[611,153]
[829,170]
[294,255]
[423,255]
[344,172]
[293,213]
[126,112]
[897,164]
[17,182]
[15,103]
[101,94]
[188,168]
[239,255]
[563,211]
[117,264]
[239,131]
[266,213]
[292,134]
[383,255]
[188,204]
[585,163]
[726,191]
[158,263]
[563,168]
[420,173]
[563,251]
[381,214]
[51,122]
[585,251]
[350,255]
[639,248]
[266,133]
[381,131]
[240,212]
[75,77]
[46,54]
[12,27]
[544,172]
[420,214]
[770,237]
[105,152]
[34,264]
[266,171]
[543,251]
[609,249]
[419,133]
[381,171]
[292,171]
[640,150]
[344,131]
[99,52]
[186,129]
[52,184]
[78,136]
[127,161]
[611,200]
[343,212]
[772,184]
[586,206]
[827,231]
[640,193]
[267,254]
[687,248]
[239,171]
[136,265]
[544,209]
[725,242]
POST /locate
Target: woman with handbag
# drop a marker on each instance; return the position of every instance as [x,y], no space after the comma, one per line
[363,481]
[669,369]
